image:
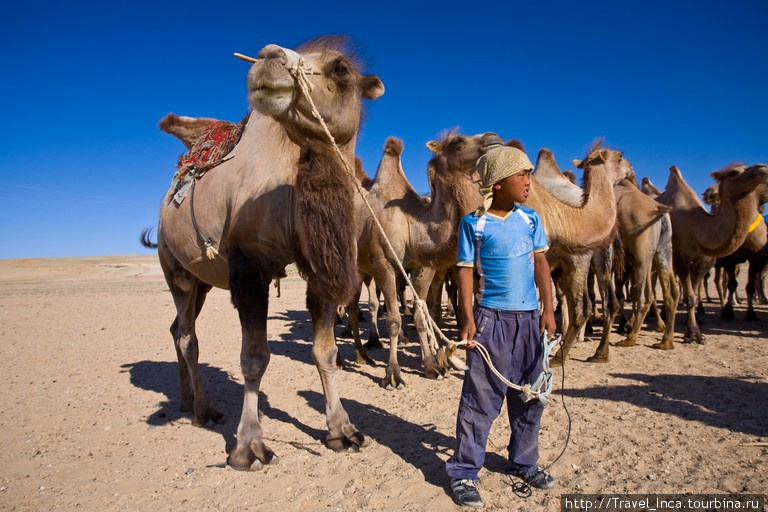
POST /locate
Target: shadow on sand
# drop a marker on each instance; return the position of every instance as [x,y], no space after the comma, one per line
[735,404]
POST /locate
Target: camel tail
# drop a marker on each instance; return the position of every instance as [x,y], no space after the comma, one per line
[145,239]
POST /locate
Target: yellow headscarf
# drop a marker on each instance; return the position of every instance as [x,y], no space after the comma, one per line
[494,166]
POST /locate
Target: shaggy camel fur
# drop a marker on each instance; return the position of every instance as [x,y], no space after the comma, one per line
[423,236]
[699,237]
[284,196]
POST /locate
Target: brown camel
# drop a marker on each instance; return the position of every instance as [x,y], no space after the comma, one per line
[423,236]
[752,251]
[700,237]
[283,196]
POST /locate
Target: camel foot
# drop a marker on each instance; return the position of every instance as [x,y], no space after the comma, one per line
[433,371]
[209,416]
[693,337]
[663,346]
[598,358]
[751,317]
[350,442]
[392,378]
[626,343]
[661,327]
[251,457]
[727,313]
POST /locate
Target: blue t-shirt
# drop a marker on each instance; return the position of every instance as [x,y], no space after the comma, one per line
[505,262]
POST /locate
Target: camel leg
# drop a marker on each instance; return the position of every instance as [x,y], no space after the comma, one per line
[641,304]
[423,278]
[361,356]
[342,434]
[249,287]
[374,340]
[188,296]
[574,285]
[729,269]
[603,265]
[755,270]
[385,280]
[691,279]
[671,295]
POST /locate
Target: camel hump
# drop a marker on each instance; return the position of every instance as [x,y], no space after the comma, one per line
[187,129]
[393,146]
[516,143]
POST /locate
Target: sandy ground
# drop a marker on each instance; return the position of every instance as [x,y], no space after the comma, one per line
[91,420]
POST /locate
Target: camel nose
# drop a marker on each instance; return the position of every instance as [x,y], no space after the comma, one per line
[490,139]
[286,57]
[272,51]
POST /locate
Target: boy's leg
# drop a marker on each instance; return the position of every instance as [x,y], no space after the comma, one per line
[481,398]
[525,417]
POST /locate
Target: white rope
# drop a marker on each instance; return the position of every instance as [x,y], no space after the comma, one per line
[529,391]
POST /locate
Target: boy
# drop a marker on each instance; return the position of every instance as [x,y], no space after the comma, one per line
[506,244]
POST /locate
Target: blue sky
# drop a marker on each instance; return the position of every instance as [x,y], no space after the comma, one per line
[83,165]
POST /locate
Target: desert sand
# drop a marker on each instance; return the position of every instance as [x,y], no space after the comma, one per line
[89,376]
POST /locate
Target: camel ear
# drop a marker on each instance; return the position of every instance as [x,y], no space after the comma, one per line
[603,154]
[577,163]
[717,175]
[435,147]
[372,87]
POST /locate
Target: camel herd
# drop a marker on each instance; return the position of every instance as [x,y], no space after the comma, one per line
[284,195]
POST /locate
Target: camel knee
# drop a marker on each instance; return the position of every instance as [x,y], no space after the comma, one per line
[253,366]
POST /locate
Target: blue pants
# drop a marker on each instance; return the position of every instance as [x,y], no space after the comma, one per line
[513,341]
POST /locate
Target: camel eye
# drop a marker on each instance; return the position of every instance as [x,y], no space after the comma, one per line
[340,70]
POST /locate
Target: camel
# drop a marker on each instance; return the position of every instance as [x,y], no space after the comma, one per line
[700,237]
[283,196]
[646,234]
[638,217]
[576,231]
[752,251]
[423,236]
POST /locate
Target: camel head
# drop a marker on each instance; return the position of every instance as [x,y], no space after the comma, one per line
[616,166]
[711,196]
[336,83]
[737,180]
[456,152]
[649,188]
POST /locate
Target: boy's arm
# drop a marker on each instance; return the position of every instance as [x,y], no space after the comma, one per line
[466,295]
[541,275]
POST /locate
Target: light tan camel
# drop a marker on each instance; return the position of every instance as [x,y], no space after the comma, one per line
[699,237]
[423,236]
[575,232]
[601,259]
[284,196]
[646,236]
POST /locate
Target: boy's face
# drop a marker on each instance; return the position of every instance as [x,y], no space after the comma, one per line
[513,188]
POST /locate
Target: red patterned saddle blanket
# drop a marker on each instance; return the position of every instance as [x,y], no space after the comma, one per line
[208,151]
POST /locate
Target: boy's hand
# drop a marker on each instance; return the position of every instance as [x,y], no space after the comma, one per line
[547,322]
[468,332]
